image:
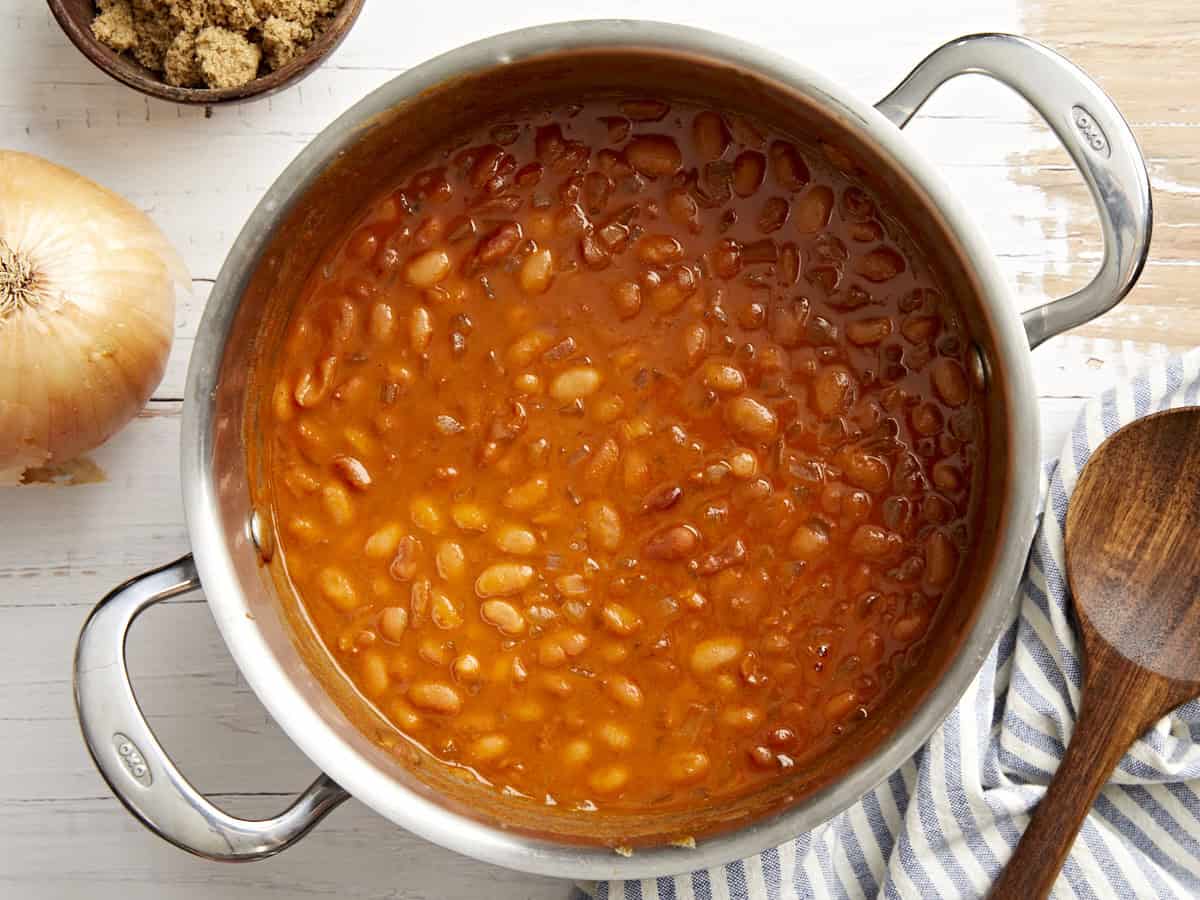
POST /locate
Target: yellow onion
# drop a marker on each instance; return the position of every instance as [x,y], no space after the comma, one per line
[87,307]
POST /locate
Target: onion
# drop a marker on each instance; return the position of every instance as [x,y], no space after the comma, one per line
[87,306]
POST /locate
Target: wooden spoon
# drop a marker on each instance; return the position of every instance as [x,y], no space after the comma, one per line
[1133,560]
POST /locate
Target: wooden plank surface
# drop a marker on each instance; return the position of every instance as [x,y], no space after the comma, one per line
[63,835]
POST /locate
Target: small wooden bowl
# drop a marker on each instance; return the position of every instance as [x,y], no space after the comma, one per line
[75,17]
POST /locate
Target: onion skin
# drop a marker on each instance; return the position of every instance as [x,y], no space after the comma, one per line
[80,359]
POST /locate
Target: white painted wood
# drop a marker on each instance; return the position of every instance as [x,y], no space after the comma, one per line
[62,835]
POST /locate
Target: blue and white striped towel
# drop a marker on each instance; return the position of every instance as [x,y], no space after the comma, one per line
[944,824]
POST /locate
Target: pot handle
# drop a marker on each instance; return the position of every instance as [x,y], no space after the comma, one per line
[135,765]
[1093,132]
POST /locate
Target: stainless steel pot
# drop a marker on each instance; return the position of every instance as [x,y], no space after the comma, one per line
[230,541]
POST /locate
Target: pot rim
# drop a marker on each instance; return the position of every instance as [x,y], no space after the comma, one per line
[374,786]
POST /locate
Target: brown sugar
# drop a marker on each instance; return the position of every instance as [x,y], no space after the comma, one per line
[227,59]
[114,25]
[211,43]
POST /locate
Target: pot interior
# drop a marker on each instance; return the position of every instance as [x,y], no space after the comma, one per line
[320,213]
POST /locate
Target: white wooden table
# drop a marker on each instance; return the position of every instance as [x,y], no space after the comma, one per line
[62,835]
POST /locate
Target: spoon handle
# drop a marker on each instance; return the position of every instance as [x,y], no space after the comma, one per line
[1120,701]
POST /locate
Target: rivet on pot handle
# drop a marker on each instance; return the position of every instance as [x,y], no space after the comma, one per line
[134,764]
[1093,132]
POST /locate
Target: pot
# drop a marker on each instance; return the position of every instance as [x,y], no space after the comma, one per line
[233,544]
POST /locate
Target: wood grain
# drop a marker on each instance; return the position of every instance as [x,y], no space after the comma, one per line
[1131,536]
[1145,56]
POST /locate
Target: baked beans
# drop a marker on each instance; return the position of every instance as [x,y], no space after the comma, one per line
[622,454]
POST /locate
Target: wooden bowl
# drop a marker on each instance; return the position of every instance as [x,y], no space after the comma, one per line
[75,17]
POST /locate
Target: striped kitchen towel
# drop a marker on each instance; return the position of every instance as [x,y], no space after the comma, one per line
[944,824]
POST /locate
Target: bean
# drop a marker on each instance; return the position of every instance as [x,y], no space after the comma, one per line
[867,332]
[881,264]
[312,389]
[404,565]
[451,561]
[636,470]
[732,552]
[375,678]
[866,470]
[616,735]
[695,344]
[489,747]
[908,629]
[788,166]
[748,171]
[834,390]
[654,155]
[528,711]
[352,471]
[503,579]
[427,269]
[662,498]
[470,517]
[743,463]
[502,241]
[503,615]
[683,210]
[393,622]
[668,292]
[742,718]
[810,541]
[537,272]
[920,329]
[627,299]
[773,215]
[841,705]
[425,515]
[950,381]
[338,589]
[466,668]
[625,692]
[443,612]
[419,599]
[528,494]
[573,585]
[337,504]
[926,419]
[602,463]
[614,652]
[575,383]
[620,619]
[420,329]
[382,324]
[710,135]
[875,542]
[604,526]
[687,767]
[813,209]
[609,779]
[528,347]
[515,539]
[659,250]
[674,543]
[383,542]
[576,752]
[435,696]
[941,559]
[947,477]
[724,378]
[751,418]
[715,653]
